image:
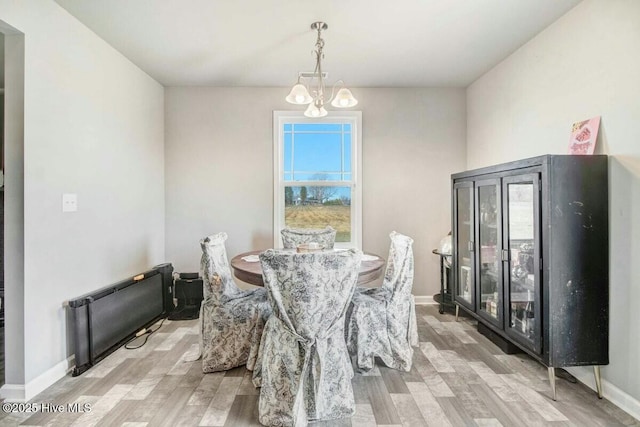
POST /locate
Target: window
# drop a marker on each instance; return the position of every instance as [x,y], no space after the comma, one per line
[317,174]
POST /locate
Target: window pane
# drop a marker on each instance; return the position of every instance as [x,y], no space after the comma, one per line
[317,207]
[347,127]
[317,127]
[317,152]
[347,152]
[287,152]
[287,127]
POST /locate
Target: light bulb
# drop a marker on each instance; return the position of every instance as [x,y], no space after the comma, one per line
[314,111]
[344,99]
[299,95]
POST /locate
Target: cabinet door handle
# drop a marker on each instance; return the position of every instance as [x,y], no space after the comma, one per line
[505,255]
[470,246]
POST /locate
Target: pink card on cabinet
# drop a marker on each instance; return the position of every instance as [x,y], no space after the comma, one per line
[583,136]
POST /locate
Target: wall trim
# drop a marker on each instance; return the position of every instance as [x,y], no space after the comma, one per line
[424,300]
[612,393]
[12,392]
[24,393]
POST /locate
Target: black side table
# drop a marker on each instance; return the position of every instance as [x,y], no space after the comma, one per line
[445,297]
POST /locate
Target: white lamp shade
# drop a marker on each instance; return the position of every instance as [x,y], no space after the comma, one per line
[344,99]
[314,112]
[299,95]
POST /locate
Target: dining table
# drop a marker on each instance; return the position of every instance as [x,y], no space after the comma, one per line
[248,269]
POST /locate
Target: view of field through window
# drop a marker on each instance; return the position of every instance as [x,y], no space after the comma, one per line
[303,209]
[318,155]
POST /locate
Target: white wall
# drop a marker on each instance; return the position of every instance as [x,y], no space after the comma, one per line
[93,125]
[586,64]
[14,206]
[219,169]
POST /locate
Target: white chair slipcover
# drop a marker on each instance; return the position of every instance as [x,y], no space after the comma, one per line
[231,319]
[303,366]
[381,322]
[292,237]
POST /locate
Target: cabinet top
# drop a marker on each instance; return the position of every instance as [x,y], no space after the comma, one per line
[543,161]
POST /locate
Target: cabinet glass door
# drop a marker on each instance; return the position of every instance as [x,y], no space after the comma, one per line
[464,244]
[522,258]
[489,238]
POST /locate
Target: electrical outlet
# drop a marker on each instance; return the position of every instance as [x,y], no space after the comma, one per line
[69,202]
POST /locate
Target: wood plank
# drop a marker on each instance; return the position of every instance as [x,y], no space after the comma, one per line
[171,411]
[408,410]
[500,410]
[393,381]
[384,410]
[220,406]
[360,393]
[243,412]
[454,411]
[364,416]
[429,407]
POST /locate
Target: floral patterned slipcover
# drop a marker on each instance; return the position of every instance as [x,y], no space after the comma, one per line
[303,366]
[381,322]
[292,237]
[231,319]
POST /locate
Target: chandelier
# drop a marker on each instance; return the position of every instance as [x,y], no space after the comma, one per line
[313,92]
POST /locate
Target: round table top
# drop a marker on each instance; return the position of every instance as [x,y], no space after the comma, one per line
[251,272]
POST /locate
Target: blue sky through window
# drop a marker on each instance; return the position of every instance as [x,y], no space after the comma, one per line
[317,151]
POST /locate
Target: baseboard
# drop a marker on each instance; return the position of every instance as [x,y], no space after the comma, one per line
[423,300]
[24,393]
[612,393]
[12,392]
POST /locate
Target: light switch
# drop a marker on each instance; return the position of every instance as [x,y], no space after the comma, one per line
[69,202]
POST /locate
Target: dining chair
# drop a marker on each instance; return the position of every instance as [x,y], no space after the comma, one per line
[381,322]
[292,237]
[231,319]
[303,365]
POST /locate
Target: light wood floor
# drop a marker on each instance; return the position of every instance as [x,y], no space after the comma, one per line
[459,378]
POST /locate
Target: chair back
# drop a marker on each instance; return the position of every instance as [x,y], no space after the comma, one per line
[306,370]
[292,237]
[398,275]
[310,291]
[218,282]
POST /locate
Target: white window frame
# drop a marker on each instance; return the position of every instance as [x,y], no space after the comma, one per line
[354,118]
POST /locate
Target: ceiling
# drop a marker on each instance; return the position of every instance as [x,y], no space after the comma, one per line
[409,43]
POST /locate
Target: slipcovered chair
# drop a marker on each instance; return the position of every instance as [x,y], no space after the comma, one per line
[303,366]
[292,237]
[231,319]
[381,322]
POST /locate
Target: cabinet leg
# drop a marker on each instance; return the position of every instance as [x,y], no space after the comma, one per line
[596,373]
[457,311]
[552,382]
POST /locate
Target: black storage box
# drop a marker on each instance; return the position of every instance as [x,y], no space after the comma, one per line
[188,293]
